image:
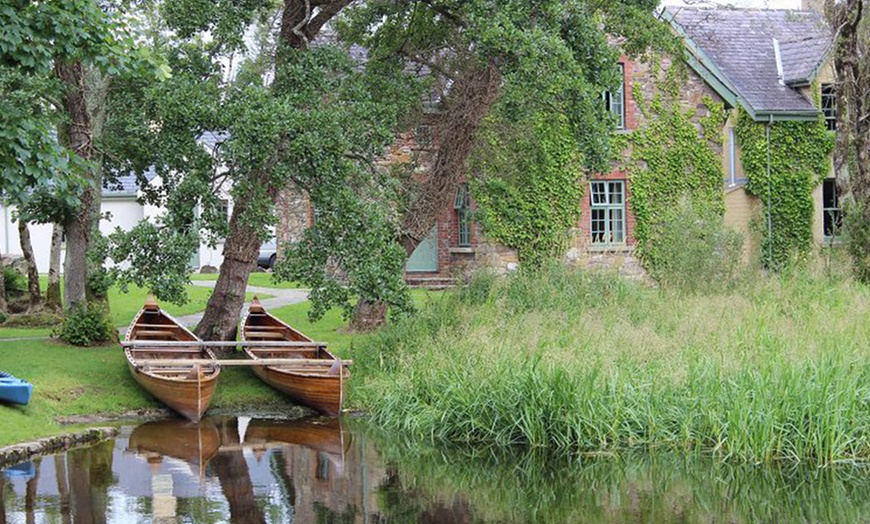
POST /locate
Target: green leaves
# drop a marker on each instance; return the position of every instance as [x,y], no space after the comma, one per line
[799,160]
[527,185]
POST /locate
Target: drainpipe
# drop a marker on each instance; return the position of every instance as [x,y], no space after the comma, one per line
[769,192]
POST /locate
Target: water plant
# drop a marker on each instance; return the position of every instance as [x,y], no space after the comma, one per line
[773,369]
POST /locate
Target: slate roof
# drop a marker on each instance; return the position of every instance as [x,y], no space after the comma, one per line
[739,46]
[125,185]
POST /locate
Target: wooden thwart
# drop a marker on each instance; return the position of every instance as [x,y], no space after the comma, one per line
[301,362]
[222,344]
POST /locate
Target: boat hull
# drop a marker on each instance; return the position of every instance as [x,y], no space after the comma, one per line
[15,391]
[320,387]
[320,392]
[188,397]
[186,388]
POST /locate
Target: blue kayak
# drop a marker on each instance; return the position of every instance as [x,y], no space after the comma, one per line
[14,390]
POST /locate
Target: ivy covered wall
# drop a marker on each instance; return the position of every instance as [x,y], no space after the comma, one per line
[799,155]
[675,156]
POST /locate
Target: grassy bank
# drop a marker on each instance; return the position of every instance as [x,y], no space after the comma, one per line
[75,382]
[773,370]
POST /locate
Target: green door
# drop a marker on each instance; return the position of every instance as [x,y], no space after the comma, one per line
[424,259]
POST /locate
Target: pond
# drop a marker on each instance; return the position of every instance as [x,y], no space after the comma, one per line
[329,471]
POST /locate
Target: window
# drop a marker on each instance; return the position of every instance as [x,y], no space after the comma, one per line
[608,212]
[462,205]
[615,102]
[831,208]
[829,106]
[224,209]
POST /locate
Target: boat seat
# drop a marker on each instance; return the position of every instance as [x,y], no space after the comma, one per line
[156,332]
[266,334]
[141,349]
[265,328]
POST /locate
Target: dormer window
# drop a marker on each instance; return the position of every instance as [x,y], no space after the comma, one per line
[614,101]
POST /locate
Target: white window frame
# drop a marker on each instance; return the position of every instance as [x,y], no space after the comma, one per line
[617,110]
[462,205]
[607,207]
[831,114]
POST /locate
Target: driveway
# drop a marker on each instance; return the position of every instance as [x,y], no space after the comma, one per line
[280,298]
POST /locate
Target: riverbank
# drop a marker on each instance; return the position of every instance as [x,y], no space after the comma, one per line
[93,385]
[775,369]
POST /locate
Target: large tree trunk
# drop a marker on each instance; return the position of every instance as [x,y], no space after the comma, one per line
[52,294]
[240,254]
[470,100]
[78,133]
[299,25]
[852,158]
[368,315]
[30,260]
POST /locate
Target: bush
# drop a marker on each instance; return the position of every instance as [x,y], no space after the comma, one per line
[695,252]
[16,283]
[86,326]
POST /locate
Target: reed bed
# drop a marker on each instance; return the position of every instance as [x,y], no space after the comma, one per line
[774,369]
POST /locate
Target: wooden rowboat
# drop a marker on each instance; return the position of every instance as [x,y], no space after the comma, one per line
[185,387]
[319,386]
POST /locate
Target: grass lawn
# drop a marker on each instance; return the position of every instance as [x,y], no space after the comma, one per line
[256,280]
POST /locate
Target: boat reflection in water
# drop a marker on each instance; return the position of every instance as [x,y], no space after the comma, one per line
[319,471]
[222,469]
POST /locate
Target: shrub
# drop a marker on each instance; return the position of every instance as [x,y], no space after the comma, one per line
[86,326]
[16,283]
[695,252]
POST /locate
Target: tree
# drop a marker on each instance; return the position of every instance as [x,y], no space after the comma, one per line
[852,153]
[316,120]
[47,49]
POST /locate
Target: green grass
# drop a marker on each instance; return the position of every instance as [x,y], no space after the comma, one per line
[255,280]
[773,370]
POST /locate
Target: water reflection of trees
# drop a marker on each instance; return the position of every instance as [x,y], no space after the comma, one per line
[486,486]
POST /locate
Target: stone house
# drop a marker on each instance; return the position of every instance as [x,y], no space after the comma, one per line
[761,61]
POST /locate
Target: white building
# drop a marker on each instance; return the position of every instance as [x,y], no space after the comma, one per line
[121,202]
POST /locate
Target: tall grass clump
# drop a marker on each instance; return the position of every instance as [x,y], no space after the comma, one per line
[775,369]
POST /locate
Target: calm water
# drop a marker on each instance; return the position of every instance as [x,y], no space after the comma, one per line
[322,471]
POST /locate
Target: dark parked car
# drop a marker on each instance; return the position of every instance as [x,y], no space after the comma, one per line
[266,260]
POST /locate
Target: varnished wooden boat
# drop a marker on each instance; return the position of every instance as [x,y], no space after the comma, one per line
[316,385]
[186,388]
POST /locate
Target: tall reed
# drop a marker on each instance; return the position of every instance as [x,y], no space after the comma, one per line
[777,369]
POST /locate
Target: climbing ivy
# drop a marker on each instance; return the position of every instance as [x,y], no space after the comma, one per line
[527,186]
[673,164]
[799,160]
